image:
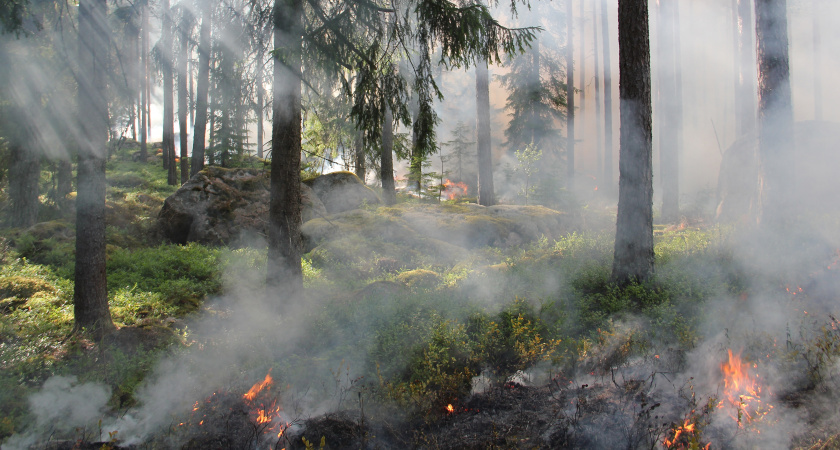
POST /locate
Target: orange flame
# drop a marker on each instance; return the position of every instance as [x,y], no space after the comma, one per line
[450,408]
[255,389]
[454,190]
[742,390]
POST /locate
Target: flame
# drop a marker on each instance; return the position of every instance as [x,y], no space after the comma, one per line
[690,433]
[742,391]
[255,389]
[454,190]
[450,408]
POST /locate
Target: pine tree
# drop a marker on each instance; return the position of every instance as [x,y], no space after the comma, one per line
[634,256]
[90,295]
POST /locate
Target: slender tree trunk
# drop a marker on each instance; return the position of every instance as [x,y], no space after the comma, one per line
[535,87]
[486,192]
[815,24]
[669,103]
[144,84]
[745,103]
[360,155]
[260,95]
[202,88]
[570,98]
[634,256]
[284,238]
[64,185]
[608,109]
[386,159]
[168,95]
[775,114]
[582,116]
[183,106]
[415,164]
[90,295]
[24,173]
[598,127]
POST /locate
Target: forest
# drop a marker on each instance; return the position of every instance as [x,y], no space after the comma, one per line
[430,224]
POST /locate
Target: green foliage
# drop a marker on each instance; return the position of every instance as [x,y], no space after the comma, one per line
[182,275]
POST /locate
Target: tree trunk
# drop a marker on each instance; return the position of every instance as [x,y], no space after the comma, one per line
[360,155]
[815,24]
[90,295]
[582,64]
[386,163]
[284,239]
[24,173]
[168,95]
[260,94]
[669,104]
[634,256]
[608,109]
[486,192]
[64,185]
[570,98]
[598,127]
[183,93]
[745,88]
[144,85]
[202,88]
[415,163]
[775,113]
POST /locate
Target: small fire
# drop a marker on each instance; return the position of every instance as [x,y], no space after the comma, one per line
[255,389]
[689,432]
[454,190]
[450,409]
[742,391]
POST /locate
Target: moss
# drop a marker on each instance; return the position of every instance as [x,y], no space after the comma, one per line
[23,287]
[419,279]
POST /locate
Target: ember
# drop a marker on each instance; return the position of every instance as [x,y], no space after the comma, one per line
[450,408]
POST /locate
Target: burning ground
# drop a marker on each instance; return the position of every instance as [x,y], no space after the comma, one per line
[418,330]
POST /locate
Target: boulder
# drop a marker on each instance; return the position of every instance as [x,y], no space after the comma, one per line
[225,206]
[816,163]
[342,191]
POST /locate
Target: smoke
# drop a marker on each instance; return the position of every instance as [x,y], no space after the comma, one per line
[62,405]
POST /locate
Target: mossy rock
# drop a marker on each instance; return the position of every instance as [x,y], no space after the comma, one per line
[342,191]
[419,279]
[57,229]
[126,180]
[15,291]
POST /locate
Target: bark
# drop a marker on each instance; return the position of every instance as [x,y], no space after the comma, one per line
[634,256]
[90,296]
[144,88]
[745,88]
[168,95]
[183,93]
[360,155]
[598,126]
[570,99]
[284,238]
[24,172]
[815,24]
[669,104]
[64,185]
[775,113]
[608,109]
[389,192]
[202,89]
[415,164]
[260,95]
[486,191]
[582,53]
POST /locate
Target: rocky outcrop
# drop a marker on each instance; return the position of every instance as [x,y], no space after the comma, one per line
[342,191]
[225,206]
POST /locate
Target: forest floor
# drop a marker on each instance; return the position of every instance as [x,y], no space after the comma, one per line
[733,343]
